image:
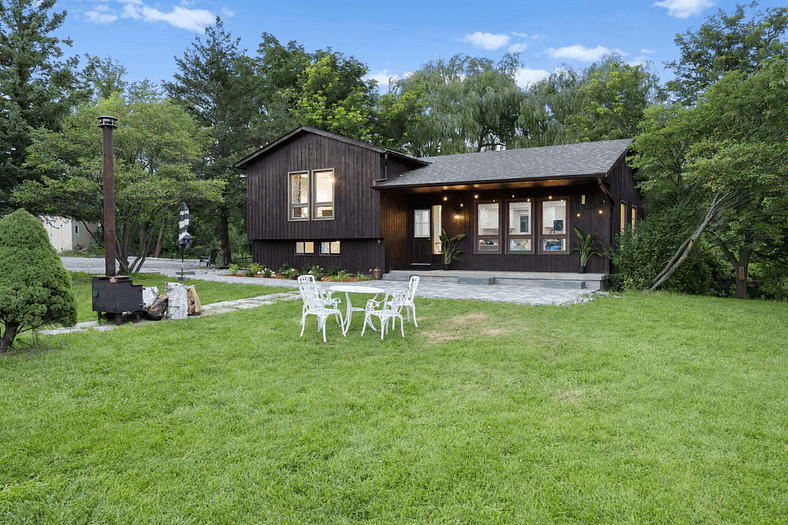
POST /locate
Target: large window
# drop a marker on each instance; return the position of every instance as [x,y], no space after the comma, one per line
[317,203]
[324,194]
[305,248]
[329,248]
[554,226]
[488,232]
[520,239]
[299,196]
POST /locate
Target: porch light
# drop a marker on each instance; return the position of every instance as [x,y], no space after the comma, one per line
[475,196]
[461,205]
[457,217]
[445,199]
[578,215]
[550,197]
[600,212]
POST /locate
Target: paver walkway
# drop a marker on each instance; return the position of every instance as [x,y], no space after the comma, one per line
[534,295]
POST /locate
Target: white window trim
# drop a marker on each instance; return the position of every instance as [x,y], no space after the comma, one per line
[548,236]
[517,236]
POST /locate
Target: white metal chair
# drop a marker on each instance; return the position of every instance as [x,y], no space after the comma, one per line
[408,303]
[322,306]
[389,308]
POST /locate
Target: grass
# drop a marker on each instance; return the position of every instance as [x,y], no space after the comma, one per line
[208,291]
[641,409]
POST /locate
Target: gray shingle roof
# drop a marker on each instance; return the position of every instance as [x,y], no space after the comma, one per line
[571,160]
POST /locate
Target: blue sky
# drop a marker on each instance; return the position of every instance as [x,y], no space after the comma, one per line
[393,38]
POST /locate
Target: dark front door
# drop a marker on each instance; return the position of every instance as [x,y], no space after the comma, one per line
[422,240]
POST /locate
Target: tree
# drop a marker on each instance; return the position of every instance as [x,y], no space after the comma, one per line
[616,95]
[156,144]
[105,77]
[469,104]
[546,108]
[726,43]
[36,90]
[729,155]
[35,289]
[332,95]
[216,86]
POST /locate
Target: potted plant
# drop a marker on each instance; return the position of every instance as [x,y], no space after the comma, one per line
[449,249]
[585,247]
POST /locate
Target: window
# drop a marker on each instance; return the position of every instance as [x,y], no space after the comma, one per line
[623,212]
[488,233]
[324,194]
[305,248]
[76,228]
[437,227]
[299,196]
[317,203]
[554,226]
[421,224]
[520,238]
[634,216]
[329,248]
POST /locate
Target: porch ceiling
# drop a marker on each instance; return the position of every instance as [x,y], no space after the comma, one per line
[496,185]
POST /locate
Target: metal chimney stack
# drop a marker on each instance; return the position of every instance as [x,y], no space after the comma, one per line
[107,124]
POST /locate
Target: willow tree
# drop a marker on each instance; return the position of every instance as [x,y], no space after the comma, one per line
[156,146]
[469,104]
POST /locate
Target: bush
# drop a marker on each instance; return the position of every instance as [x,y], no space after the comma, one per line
[35,289]
[233,269]
[642,253]
[314,270]
[253,270]
[333,271]
[268,273]
[340,276]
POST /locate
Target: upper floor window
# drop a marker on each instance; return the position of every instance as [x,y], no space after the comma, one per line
[299,196]
[314,200]
[623,213]
[554,226]
[324,194]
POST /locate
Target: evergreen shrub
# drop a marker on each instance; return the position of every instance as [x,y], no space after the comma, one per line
[35,289]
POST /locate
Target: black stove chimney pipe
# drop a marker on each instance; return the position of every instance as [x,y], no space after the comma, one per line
[107,124]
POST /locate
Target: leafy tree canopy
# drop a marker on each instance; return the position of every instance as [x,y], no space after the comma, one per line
[155,144]
[726,42]
[36,89]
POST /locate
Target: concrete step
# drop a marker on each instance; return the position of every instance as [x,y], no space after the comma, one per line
[588,281]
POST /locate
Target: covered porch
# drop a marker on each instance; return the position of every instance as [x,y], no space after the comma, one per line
[566,280]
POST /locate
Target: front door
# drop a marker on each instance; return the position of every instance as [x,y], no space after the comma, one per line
[422,239]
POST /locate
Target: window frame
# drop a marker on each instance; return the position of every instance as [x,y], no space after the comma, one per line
[553,236]
[622,210]
[633,219]
[304,251]
[292,206]
[331,248]
[519,236]
[323,204]
[477,237]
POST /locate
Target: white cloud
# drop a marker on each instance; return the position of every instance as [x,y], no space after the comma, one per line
[190,19]
[382,77]
[684,8]
[487,41]
[521,35]
[525,77]
[101,14]
[647,51]
[518,48]
[580,53]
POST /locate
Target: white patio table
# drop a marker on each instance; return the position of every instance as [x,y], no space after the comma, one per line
[349,308]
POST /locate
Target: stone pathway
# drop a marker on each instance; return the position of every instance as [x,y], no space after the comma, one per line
[208,309]
[532,295]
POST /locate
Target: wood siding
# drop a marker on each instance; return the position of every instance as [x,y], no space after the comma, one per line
[357,255]
[356,204]
[396,211]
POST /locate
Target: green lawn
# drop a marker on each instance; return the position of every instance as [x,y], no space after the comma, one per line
[208,292]
[641,409]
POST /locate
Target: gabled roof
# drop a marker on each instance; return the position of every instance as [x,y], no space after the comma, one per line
[588,159]
[301,130]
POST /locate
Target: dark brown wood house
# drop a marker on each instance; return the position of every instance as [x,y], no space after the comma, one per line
[318,198]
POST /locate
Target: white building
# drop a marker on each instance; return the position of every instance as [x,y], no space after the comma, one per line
[66,234]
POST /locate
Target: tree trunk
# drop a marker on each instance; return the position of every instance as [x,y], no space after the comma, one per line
[224,236]
[11,329]
[157,250]
[740,267]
